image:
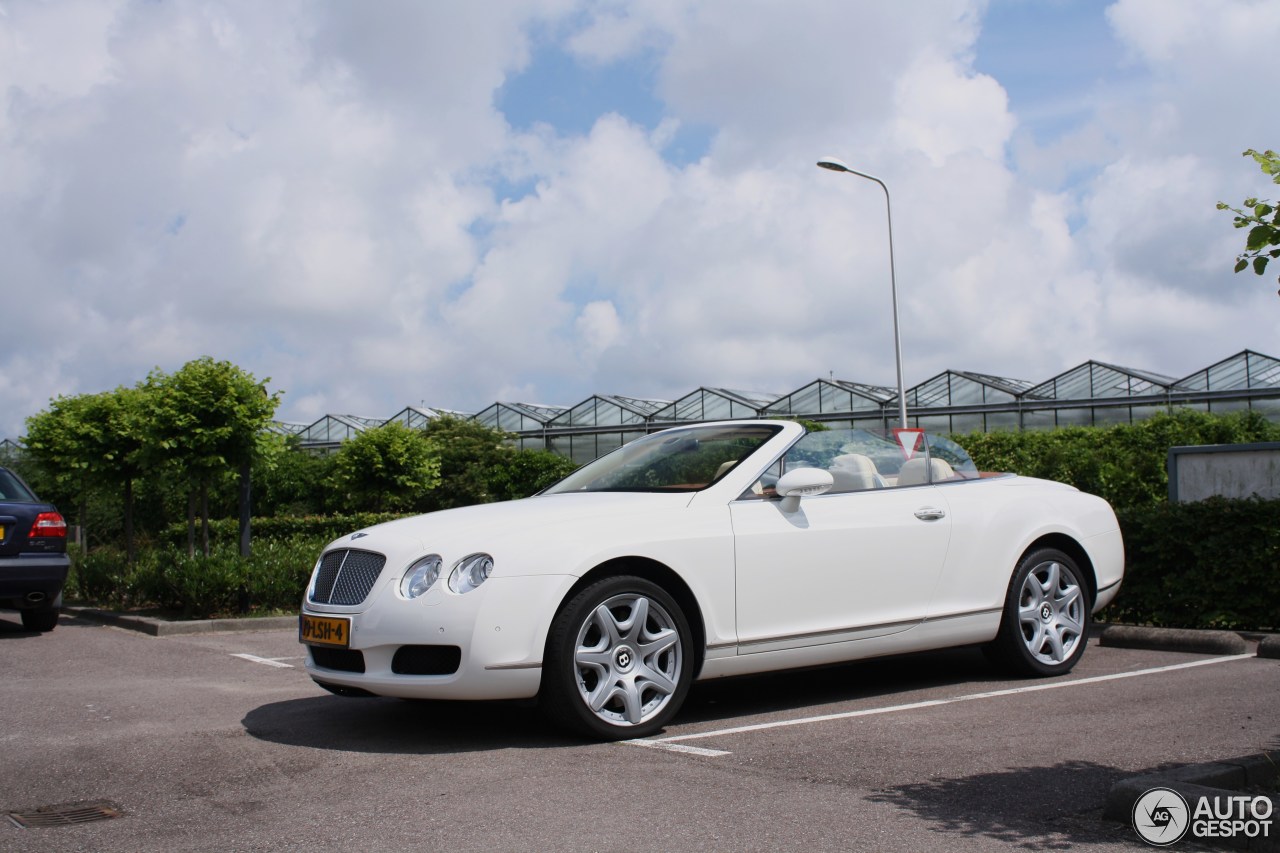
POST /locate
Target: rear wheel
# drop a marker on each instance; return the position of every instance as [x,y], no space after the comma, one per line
[618,662]
[1045,624]
[39,620]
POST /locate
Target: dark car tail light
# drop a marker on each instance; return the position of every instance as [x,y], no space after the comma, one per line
[48,525]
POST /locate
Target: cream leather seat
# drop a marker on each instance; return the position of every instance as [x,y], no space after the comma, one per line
[724,469]
[853,472]
[914,471]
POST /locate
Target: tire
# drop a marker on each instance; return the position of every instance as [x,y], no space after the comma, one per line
[1045,624]
[618,660]
[39,620]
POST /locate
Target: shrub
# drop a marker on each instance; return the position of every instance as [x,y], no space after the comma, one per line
[201,586]
[222,584]
[1126,464]
[1210,564]
[226,531]
[98,576]
[280,569]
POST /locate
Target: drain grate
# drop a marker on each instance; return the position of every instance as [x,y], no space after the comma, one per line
[65,815]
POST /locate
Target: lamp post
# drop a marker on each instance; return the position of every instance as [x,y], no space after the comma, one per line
[839,166]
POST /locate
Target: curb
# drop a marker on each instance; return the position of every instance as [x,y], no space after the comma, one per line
[1194,781]
[1178,640]
[165,628]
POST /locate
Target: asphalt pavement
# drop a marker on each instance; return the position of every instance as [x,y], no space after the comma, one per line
[217,740]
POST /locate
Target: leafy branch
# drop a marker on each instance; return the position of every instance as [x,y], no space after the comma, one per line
[1262,218]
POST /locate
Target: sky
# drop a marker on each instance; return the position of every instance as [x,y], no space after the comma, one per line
[421,202]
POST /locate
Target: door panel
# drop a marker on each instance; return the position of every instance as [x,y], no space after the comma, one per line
[844,566]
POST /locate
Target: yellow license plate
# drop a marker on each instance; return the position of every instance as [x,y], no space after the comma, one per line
[324,631]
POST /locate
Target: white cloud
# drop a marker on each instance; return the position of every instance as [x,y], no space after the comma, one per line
[942,111]
[327,195]
[598,327]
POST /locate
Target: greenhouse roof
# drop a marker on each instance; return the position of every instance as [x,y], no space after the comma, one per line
[713,404]
[1243,370]
[827,396]
[609,410]
[334,428]
[1092,380]
[1095,379]
[964,388]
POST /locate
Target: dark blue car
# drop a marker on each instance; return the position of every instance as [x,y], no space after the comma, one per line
[33,554]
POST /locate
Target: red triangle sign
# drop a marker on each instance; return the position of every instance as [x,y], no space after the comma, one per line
[909,440]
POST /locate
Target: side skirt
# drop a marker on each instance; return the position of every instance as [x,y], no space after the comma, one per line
[939,633]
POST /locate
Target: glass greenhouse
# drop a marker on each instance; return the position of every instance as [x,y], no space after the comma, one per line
[955,401]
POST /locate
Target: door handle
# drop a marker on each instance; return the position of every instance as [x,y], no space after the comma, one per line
[930,513]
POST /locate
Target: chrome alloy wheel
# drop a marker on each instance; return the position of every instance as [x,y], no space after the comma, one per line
[1051,612]
[627,659]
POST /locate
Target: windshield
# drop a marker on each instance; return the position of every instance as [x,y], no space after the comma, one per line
[678,460]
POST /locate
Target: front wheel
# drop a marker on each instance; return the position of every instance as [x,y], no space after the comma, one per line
[618,662]
[1044,628]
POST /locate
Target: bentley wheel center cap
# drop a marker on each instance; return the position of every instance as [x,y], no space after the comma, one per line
[1046,612]
[623,658]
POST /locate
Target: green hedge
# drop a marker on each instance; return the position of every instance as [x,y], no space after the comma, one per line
[273,579]
[326,527]
[1210,564]
[1126,464]
[1213,564]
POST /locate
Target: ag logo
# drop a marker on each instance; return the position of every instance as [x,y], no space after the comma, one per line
[1161,817]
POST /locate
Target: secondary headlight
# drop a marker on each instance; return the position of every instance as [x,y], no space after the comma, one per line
[469,572]
[420,576]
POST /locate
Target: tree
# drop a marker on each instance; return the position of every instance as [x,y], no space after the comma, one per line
[288,480]
[470,453]
[62,440]
[208,418]
[92,440]
[527,472]
[390,468]
[1262,218]
[123,441]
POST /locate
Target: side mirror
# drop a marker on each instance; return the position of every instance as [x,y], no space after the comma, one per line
[800,482]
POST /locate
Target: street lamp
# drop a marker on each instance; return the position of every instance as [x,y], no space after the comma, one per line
[839,166]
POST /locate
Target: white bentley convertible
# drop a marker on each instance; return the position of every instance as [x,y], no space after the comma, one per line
[707,551]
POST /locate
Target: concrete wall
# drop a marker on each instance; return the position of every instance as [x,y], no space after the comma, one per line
[1227,470]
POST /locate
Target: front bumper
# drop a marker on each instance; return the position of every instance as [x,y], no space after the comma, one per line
[499,628]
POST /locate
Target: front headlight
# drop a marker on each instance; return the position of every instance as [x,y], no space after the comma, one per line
[420,576]
[469,572]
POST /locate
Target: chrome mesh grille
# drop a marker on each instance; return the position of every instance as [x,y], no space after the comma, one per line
[346,576]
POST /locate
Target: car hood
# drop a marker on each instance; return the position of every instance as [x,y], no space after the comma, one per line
[563,528]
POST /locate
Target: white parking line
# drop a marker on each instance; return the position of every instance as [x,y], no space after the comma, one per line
[678,747]
[673,743]
[267,661]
